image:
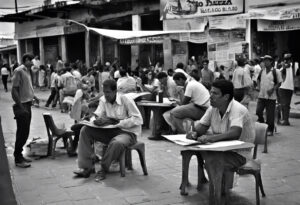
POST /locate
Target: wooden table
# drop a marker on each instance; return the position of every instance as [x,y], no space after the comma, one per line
[159,123]
[188,152]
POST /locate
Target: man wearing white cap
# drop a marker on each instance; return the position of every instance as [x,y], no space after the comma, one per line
[269,80]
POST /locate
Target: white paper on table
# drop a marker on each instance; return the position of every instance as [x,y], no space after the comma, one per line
[91,124]
[221,144]
[180,139]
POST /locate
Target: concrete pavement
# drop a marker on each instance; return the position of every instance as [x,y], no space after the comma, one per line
[51,181]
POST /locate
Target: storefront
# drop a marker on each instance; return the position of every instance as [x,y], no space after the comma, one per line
[275,30]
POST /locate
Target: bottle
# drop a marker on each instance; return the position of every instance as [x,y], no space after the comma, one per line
[157,98]
[160,96]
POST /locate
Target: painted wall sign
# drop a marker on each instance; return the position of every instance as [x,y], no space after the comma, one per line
[143,40]
[171,9]
[275,13]
[289,25]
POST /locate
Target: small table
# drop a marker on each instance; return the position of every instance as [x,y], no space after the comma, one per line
[188,152]
[159,123]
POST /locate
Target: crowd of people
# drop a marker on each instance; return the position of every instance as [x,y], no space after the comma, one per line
[199,93]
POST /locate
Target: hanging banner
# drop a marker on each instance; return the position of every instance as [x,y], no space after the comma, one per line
[174,9]
[185,24]
[275,13]
[226,22]
[289,25]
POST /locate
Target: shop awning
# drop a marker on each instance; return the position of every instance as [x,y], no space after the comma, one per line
[8,48]
[286,12]
[125,34]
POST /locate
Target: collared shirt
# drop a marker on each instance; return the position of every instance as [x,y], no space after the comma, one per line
[126,84]
[267,83]
[288,82]
[236,115]
[22,80]
[198,93]
[123,109]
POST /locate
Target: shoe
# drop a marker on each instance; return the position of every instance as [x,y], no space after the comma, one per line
[269,133]
[284,123]
[22,164]
[100,175]
[46,105]
[83,173]
[26,160]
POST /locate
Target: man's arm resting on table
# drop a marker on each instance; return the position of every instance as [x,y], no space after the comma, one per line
[232,134]
[200,130]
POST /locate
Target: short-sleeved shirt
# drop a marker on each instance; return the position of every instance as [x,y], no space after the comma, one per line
[126,84]
[236,115]
[198,93]
[267,83]
[22,80]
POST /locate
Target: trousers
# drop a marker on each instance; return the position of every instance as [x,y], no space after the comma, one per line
[23,128]
[116,139]
[269,105]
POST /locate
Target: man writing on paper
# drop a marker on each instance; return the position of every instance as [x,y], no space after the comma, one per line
[113,109]
[229,120]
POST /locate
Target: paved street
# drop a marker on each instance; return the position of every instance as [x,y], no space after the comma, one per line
[51,181]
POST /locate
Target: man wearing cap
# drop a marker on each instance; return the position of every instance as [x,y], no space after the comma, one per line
[286,89]
[269,80]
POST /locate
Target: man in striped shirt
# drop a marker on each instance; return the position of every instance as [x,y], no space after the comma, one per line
[228,120]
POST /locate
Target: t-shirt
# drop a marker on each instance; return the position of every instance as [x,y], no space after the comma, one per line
[267,83]
[198,93]
[22,80]
[288,83]
[4,71]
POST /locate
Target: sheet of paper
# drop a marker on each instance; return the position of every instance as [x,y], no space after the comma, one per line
[180,139]
[136,95]
[91,124]
[220,144]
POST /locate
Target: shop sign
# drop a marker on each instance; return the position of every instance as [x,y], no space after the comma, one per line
[176,9]
[275,13]
[226,22]
[143,40]
[289,25]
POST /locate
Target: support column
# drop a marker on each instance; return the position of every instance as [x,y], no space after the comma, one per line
[87,49]
[136,26]
[116,49]
[41,49]
[63,48]
[249,37]
[101,49]
[19,52]
[168,59]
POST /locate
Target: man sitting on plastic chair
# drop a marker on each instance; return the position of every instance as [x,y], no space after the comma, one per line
[124,119]
[229,120]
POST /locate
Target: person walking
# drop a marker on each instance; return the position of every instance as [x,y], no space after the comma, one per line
[286,89]
[23,95]
[4,75]
[269,80]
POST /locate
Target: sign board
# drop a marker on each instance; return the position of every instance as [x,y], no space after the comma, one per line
[176,9]
[288,25]
[143,40]
[226,22]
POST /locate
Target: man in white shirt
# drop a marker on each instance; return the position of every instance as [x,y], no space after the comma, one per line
[228,120]
[194,103]
[286,89]
[269,80]
[121,113]
[126,83]
[34,71]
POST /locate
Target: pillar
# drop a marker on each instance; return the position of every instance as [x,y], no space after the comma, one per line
[41,49]
[167,48]
[136,26]
[63,48]
[248,36]
[101,49]
[19,52]
[87,49]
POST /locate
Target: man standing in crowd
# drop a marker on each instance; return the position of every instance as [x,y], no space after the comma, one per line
[194,103]
[23,95]
[287,88]
[269,80]
[228,120]
[35,71]
[119,111]
[207,74]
